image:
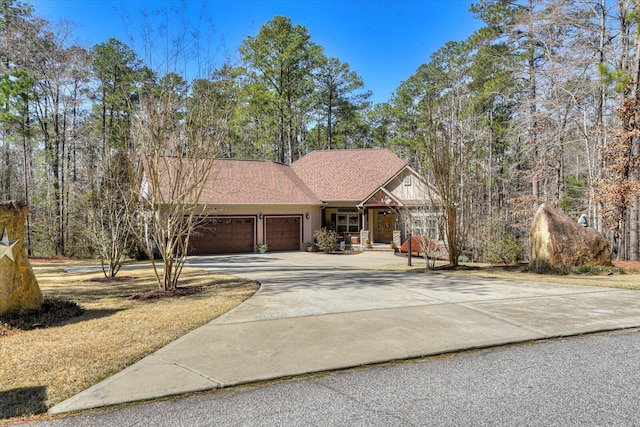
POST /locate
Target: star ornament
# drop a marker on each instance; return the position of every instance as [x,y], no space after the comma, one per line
[6,246]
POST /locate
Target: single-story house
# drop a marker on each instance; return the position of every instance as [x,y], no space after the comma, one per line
[365,193]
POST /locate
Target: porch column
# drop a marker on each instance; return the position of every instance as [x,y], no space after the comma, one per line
[397,239]
[364,231]
[364,238]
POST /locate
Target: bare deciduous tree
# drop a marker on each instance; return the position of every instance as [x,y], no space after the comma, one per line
[177,132]
[425,224]
[178,138]
[109,230]
[445,161]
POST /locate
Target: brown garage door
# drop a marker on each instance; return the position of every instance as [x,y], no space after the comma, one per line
[283,233]
[223,236]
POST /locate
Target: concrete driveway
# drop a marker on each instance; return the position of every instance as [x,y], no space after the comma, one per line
[317,312]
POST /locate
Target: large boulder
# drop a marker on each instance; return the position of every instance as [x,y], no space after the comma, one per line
[19,290]
[558,241]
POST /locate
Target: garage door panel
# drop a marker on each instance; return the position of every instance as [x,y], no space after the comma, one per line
[283,233]
[223,235]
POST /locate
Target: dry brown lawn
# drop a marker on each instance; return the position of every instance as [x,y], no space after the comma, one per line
[42,367]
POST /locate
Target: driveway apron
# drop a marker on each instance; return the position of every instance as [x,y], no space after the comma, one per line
[317,312]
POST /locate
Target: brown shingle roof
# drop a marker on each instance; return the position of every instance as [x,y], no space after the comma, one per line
[320,176]
[251,182]
[347,174]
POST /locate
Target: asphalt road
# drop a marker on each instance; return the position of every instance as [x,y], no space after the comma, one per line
[591,380]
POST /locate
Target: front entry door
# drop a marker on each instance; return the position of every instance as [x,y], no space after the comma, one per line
[385,222]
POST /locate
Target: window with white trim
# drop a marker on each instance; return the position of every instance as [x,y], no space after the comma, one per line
[348,222]
[425,224]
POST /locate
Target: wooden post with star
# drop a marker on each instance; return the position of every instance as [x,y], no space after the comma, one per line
[19,290]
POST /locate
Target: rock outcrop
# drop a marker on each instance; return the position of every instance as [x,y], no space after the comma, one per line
[19,290]
[558,241]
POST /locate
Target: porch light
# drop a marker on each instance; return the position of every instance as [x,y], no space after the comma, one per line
[307,215]
[259,215]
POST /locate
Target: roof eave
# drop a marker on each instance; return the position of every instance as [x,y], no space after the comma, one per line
[381,188]
[316,203]
[353,201]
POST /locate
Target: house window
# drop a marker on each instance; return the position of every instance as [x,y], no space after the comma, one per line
[348,222]
[407,180]
[423,223]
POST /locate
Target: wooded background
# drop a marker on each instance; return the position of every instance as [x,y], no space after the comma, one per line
[540,105]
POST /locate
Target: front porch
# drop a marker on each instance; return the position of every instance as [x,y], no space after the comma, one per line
[369,227]
[391,246]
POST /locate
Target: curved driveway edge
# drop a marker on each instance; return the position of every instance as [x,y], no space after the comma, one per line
[318,312]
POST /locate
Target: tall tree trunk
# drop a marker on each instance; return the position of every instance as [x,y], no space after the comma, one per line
[329,123]
[634,217]
[290,129]
[451,236]
[103,130]
[7,164]
[490,161]
[533,125]
[631,250]
[601,128]
[281,136]
[25,124]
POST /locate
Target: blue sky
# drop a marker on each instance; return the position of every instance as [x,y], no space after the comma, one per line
[384,41]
